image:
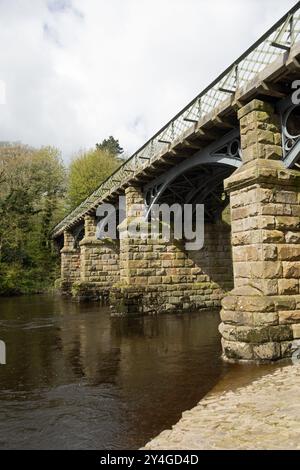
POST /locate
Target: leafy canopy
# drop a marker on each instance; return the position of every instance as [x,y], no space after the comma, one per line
[86,172]
[111,145]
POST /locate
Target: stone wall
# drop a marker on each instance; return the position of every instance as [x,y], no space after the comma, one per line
[215,259]
[100,262]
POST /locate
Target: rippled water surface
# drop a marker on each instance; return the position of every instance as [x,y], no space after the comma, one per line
[77,379]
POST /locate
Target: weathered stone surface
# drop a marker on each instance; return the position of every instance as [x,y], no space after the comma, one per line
[266,286]
[249,318]
[245,290]
[265,318]
[280,333]
[284,302]
[255,304]
[287,223]
[288,286]
[296,331]
[237,351]
[267,351]
[258,270]
[234,317]
[287,349]
[272,236]
[292,237]
[289,316]
[229,302]
[244,334]
[291,269]
[269,252]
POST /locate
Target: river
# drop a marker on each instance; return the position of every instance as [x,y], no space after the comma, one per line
[75,378]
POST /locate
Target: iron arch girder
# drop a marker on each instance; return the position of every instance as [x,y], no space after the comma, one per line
[215,178]
[209,189]
[293,155]
[290,155]
[207,156]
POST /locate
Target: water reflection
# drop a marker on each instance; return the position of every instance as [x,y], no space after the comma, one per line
[75,378]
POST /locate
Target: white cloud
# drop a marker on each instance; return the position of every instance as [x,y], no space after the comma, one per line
[78,71]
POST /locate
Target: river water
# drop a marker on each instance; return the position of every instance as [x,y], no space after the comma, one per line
[77,379]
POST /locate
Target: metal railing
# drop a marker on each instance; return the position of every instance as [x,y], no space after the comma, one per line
[280,38]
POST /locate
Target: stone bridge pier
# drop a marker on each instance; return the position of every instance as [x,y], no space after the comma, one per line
[99,264]
[89,267]
[70,262]
[261,315]
[158,275]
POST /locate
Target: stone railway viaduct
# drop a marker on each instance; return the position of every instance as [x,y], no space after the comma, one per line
[234,148]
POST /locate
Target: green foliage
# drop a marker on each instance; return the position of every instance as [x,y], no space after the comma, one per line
[86,172]
[35,193]
[32,186]
[111,145]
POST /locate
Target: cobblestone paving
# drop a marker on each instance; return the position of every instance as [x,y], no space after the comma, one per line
[262,415]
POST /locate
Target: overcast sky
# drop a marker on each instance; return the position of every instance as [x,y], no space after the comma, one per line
[77,71]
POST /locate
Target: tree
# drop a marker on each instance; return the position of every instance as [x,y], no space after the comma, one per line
[86,172]
[31,202]
[111,145]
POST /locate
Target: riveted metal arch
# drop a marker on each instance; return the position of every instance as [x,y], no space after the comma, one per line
[210,155]
[209,182]
[290,142]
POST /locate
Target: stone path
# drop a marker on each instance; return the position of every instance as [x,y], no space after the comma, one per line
[262,415]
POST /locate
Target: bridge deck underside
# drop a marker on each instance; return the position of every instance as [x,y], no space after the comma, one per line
[201,185]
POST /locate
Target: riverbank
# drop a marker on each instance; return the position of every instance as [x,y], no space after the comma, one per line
[262,415]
